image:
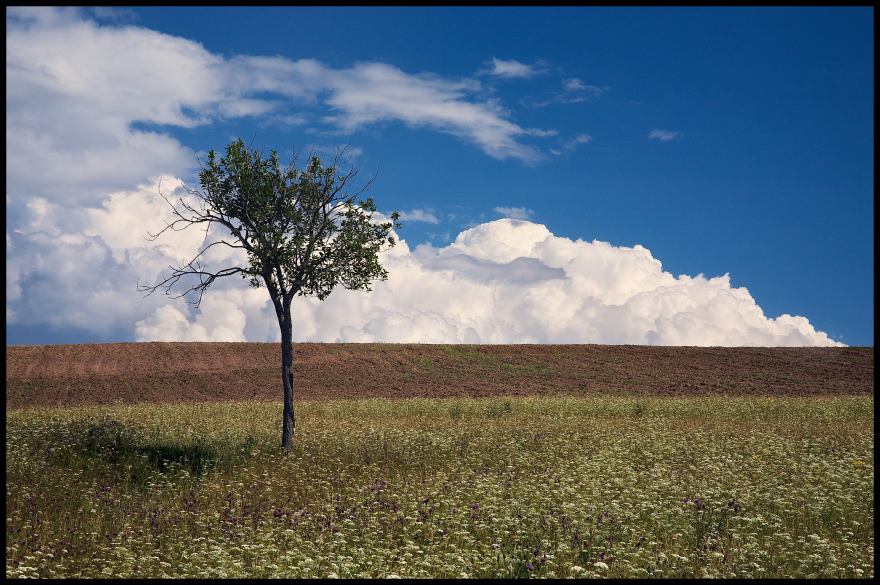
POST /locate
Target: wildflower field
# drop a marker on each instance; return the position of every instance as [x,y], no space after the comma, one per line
[496,487]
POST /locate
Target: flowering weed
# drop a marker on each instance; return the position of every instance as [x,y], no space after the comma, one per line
[512,487]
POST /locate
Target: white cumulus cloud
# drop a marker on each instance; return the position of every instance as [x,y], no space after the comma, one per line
[512,281]
[223,316]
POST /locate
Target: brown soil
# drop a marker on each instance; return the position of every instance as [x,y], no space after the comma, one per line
[72,375]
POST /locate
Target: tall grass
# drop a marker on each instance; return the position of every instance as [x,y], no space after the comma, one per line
[445,488]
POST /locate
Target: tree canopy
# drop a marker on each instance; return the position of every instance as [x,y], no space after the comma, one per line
[302,231]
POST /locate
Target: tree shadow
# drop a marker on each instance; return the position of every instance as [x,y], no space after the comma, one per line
[88,443]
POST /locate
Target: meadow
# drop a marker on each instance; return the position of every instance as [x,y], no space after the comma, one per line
[495,487]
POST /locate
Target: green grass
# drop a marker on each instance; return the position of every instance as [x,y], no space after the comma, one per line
[445,488]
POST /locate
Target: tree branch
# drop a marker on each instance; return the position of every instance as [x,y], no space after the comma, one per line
[192,268]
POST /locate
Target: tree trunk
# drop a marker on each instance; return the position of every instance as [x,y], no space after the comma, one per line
[288,426]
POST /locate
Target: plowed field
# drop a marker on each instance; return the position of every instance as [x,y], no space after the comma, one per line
[87,374]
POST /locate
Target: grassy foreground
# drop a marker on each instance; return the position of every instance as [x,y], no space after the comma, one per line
[445,488]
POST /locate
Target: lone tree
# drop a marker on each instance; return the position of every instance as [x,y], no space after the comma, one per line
[303,231]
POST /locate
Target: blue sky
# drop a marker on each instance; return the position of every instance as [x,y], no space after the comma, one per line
[632,175]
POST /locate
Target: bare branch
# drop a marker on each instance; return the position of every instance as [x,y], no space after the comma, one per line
[193,268]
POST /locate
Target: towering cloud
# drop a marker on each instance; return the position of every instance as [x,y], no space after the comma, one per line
[507,281]
[512,281]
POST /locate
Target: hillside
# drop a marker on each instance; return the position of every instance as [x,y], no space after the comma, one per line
[69,375]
